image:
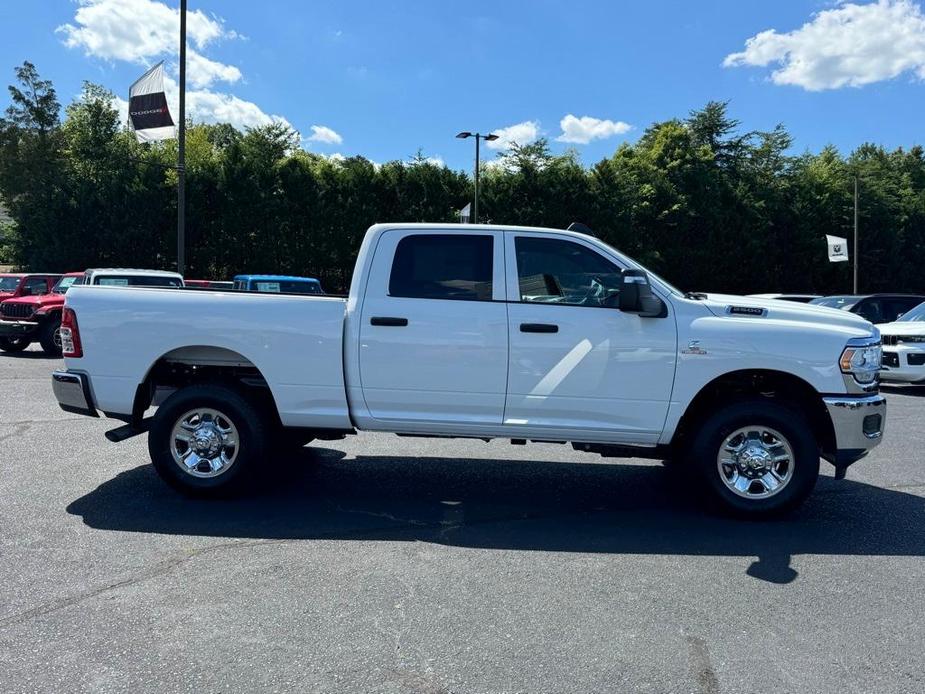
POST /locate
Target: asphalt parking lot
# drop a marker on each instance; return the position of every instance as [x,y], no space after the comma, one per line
[411,565]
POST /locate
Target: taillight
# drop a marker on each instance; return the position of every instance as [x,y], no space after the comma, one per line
[70,335]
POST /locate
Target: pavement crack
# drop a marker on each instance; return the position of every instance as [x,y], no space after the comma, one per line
[701,665]
[383,514]
[18,429]
[159,569]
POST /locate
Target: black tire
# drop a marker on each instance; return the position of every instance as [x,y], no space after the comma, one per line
[14,344]
[252,435]
[790,422]
[50,336]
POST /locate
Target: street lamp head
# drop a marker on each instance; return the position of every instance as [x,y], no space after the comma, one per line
[491,138]
[464,135]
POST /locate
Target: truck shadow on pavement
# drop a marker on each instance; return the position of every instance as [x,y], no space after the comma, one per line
[29,354]
[517,505]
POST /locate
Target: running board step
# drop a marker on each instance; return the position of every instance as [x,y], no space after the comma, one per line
[127,431]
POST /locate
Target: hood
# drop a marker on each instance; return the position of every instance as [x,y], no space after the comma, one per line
[6,295]
[40,300]
[903,327]
[729,305]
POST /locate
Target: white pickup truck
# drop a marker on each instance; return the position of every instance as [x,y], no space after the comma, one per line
[483,331]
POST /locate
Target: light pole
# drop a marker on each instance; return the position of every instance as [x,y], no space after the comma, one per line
[181,149]
[855,235]
[491,137]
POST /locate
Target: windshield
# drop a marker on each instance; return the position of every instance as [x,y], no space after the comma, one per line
[9,284]
[652,276]
[64,284]
[286,287]
[137,281]
[843,302]
[916,314]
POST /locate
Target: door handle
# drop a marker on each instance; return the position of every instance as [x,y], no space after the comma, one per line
[538,328]
[389,320]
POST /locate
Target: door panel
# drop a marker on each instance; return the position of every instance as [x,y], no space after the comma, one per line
[424,358]
[596,368]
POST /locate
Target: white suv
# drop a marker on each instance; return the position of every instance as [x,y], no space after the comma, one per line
[904,347]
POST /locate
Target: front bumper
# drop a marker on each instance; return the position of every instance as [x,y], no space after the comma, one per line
[903,363]
[858,424]
[72,391]
[17,328]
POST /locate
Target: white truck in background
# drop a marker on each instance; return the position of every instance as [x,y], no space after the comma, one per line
[483,331]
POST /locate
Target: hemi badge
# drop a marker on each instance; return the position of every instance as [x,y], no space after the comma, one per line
[747,311]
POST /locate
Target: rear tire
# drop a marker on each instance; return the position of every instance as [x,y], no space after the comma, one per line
[208,441]
[50,336]
[756,458]
[14,344]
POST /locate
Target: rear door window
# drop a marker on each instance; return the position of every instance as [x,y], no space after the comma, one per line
[443,266]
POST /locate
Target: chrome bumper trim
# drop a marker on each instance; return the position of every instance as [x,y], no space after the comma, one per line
[848,420]
[72,391]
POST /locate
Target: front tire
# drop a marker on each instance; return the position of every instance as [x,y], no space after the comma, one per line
[207,440]
[757,457]
[14,344]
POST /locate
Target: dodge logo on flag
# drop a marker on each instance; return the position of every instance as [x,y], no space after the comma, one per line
[147,107]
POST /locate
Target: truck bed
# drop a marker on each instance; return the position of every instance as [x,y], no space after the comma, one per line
[295,342]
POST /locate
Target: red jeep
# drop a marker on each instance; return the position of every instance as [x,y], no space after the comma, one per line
[35,314]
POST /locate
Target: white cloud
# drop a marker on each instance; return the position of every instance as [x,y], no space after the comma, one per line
[216,107]
[582,130]
[435,160]
[136,30]
[850,45]
[207,106]
[140,31]
[202,71]
[324,134]
[521,133]
[121,106]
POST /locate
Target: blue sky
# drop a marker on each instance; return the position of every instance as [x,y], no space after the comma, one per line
[385,79]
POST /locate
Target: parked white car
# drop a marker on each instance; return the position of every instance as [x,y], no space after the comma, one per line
[483,331]
[904,348]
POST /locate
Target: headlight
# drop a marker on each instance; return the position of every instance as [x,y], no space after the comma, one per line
[862,359]
[909,339]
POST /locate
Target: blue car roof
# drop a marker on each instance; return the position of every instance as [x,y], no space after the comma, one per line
[271,278]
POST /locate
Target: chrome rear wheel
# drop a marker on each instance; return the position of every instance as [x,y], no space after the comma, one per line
[204,442]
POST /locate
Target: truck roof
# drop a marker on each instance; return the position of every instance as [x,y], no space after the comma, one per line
[30,274]
[284,278]
[132,270]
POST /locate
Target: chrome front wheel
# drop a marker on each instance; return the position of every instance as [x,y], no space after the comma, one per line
[757,457]
[204,442]
[755,462]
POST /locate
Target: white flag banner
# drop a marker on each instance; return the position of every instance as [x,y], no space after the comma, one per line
[838,248]
[465,213]
[148,114]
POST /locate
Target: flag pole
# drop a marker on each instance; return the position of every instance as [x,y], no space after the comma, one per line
[181,148]
[855,290]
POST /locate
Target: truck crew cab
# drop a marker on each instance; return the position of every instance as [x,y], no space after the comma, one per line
[483,331]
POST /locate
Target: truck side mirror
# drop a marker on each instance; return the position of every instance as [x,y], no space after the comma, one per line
[636,295]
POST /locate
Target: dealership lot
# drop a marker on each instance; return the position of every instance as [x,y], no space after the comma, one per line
[396,564]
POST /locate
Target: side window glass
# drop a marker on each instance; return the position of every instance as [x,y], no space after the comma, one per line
[36,285]
[553,271]
[445,266]
[871,310]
